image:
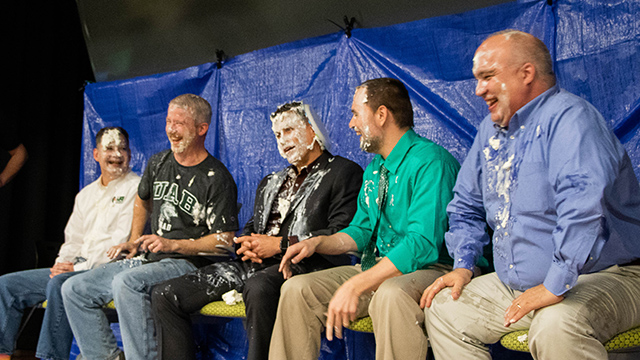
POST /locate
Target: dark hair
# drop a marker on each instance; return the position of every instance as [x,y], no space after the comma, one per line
[393,95]
[101,132]
[295,106]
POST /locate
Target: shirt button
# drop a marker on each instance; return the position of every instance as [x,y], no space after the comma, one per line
[522,127]
[389,226]
[511,266]
[506,233]
[568,286]
[512,137]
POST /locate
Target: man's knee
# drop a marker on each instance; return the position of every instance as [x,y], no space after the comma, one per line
[55,284]
[130,279]
[73,288]
[258,288]
[4,285]
[388,294]
[295,287]
[443,307]
[163,298]
[557,324]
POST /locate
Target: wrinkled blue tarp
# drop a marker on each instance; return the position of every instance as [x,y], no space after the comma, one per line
[595,45]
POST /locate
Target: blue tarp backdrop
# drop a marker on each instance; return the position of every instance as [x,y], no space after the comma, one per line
[595,45]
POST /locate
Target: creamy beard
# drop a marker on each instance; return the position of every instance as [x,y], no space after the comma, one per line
[368,142]
[184,143]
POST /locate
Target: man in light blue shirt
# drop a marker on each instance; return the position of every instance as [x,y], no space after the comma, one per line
[559,192]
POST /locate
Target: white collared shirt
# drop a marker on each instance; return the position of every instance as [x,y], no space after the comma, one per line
[101,218]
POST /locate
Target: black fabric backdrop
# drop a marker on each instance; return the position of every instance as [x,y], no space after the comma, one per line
[46,66]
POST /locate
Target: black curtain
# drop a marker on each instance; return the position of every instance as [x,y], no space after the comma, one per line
[47,65]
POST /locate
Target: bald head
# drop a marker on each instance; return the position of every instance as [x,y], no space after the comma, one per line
[512,68]
[521,48]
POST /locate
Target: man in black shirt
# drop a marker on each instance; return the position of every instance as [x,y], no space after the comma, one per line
[314,196]
[192,201]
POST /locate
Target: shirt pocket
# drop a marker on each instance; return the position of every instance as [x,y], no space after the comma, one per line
[533,193]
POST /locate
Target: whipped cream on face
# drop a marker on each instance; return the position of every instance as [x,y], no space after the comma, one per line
[113,149]
[290,131]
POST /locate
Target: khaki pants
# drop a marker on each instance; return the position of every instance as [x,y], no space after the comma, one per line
[398,321]
[597,308]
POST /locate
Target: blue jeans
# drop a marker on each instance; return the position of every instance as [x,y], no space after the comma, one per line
[128,283]
[24,289]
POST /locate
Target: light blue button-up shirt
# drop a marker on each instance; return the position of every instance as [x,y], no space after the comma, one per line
[558,190]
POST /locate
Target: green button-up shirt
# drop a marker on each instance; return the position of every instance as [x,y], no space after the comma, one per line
[411,231]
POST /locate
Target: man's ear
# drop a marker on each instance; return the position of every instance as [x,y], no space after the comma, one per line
[95,154]
[202,128]
[528,73]
[382,115]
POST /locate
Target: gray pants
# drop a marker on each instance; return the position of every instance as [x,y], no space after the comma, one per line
[597,308]
[398,321]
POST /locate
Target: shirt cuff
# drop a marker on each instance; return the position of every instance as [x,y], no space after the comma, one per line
[358,236]
[403,256]
[399,256]
[464,262]
[559,278]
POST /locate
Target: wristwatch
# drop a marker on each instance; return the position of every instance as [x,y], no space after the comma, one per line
[284,244]
[286,241]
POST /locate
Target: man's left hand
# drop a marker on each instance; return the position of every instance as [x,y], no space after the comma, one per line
[61,268]
[257,247]
[533,299]
[342,309]
[155,243]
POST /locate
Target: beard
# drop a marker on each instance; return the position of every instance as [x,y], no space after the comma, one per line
[184,143]
[370,143]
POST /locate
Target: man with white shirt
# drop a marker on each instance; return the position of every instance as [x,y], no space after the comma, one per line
[101,218]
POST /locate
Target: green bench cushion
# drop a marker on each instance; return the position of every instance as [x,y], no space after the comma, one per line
[220,308]
[363,325]
[624,340]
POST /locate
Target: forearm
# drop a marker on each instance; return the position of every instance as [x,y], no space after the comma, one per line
[141,211]
[336,244]
[18,158]
[207,244]
[371,279]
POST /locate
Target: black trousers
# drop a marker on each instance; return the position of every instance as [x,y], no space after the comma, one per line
[175,300]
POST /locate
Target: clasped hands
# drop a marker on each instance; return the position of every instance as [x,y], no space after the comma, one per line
[256,247]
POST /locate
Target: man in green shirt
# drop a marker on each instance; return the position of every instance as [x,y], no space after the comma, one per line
[401,214]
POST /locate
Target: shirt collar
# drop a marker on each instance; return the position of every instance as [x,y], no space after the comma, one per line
[522,116]
[312,166]
[393,161]
[112,182]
